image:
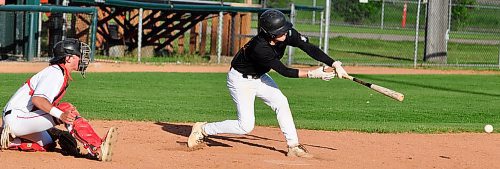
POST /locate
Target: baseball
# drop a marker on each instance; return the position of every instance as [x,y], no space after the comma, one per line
[488,128]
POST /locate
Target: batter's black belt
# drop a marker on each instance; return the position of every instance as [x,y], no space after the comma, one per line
[248,76]
[251,76]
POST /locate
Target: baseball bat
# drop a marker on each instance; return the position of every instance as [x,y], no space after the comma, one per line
[385,91]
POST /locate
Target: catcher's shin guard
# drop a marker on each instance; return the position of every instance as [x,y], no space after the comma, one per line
[97,147]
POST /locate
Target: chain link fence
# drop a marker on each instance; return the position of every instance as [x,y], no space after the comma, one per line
[27,34]
[145,35]
[384,32]
[474,37]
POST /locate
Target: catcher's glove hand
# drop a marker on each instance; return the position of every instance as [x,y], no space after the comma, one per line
[66,141]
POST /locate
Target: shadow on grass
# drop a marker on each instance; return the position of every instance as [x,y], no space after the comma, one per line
[432,87]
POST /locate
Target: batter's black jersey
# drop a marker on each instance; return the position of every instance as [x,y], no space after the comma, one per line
[258,56]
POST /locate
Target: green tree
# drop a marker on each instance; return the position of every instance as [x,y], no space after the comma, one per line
[355,12]
[278,3]
[460,12]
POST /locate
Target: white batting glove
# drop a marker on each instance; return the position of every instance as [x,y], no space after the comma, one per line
[320,73]
[339,70]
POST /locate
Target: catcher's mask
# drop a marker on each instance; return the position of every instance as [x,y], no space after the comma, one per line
[273,23]
[69,47]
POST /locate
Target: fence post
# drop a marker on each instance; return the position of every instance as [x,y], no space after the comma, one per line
[292,20]
[314,13]
[31,35]
[321,29]
[64,28]
[327,25]
[416,36]
[39,46]
[447,38]
[219,37]
[93,32]
[499,56]
[382,17]
[139,36]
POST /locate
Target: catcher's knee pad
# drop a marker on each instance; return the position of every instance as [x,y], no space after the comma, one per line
[84,133]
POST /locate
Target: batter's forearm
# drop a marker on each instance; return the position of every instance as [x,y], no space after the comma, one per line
[303,74]
[283,70]
[317,53]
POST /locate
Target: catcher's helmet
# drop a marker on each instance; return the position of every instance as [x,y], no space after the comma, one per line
[64,48]
[69,47]
[273,23]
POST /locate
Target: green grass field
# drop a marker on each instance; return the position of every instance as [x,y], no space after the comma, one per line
[389,31]
[479,17]
[364,51]
[353,51]
[433,104]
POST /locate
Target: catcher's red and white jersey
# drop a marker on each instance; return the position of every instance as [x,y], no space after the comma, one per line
[46,83]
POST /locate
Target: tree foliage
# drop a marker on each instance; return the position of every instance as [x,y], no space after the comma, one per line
[355,12]
[278,3]
[460,12]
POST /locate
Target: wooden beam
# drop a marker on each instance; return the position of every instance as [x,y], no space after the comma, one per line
[180,44]
[213,38]
[246,23]
[168,47]
[153,35]
[226,28]
[82,27]
[197,18]
[203,44]
[236,34]
[193,39]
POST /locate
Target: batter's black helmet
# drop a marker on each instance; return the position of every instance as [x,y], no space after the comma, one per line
[273,23]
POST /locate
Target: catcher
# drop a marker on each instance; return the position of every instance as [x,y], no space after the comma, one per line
[32,112]
[248,79]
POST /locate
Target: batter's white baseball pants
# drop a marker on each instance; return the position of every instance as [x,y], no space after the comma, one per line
[243,91]
[30,125]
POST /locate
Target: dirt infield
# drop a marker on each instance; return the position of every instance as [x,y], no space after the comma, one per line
[163,145]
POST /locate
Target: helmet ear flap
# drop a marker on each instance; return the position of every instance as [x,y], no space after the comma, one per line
[266,33]
[270,35]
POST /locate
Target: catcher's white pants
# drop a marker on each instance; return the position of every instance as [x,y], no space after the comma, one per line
[243,91]
[30,125]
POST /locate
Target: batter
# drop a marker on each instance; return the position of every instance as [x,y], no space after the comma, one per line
[248,79]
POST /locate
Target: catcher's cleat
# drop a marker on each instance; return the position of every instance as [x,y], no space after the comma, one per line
[299,151]
[106,151]
[6,137]
[197,135]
